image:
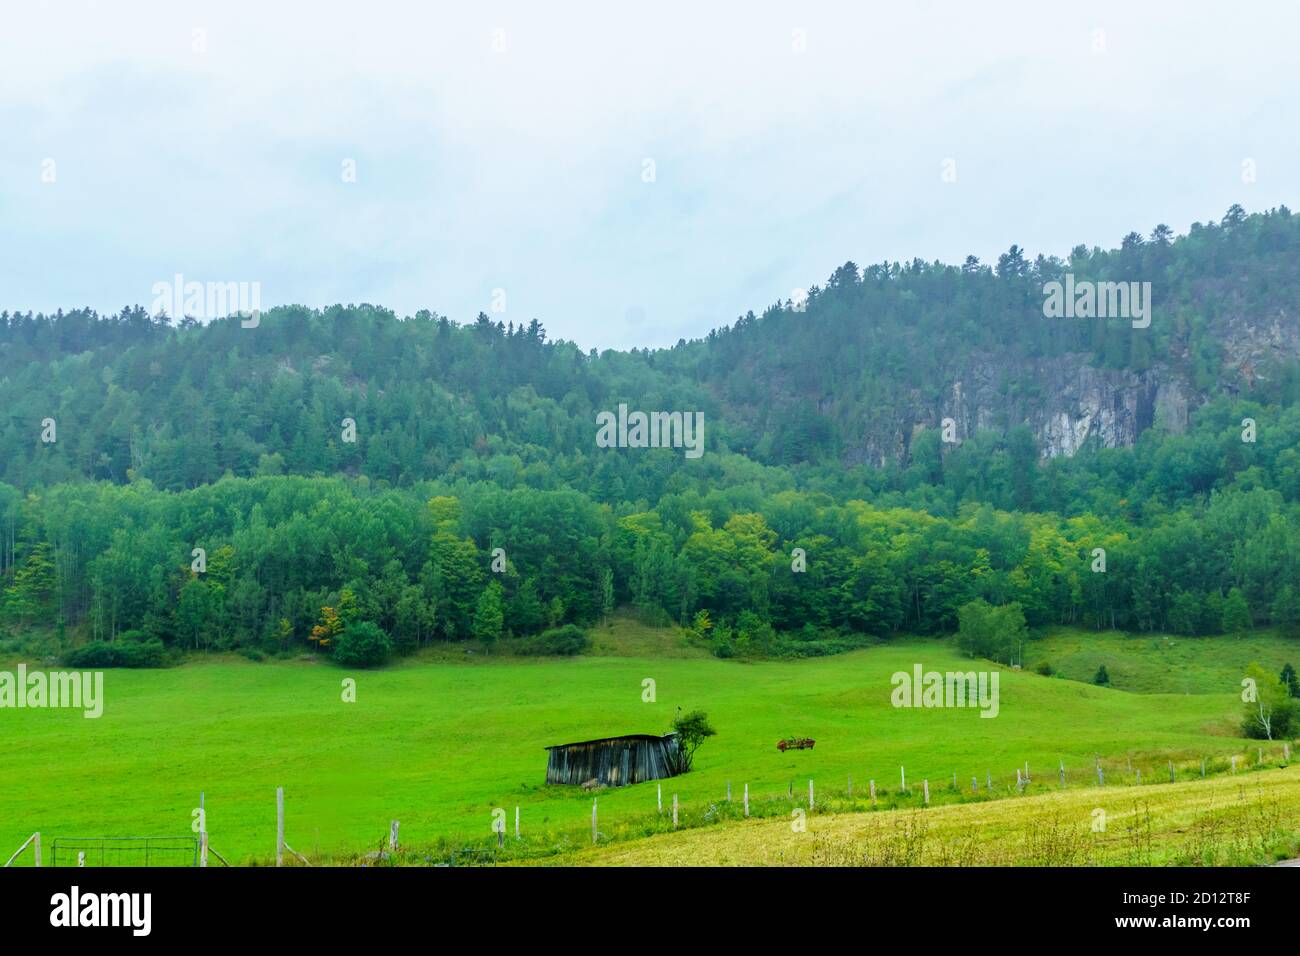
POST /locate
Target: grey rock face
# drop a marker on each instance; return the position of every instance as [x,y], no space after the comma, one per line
[1067,401]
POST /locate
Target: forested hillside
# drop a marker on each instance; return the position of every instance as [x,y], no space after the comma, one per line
[857,373]
[820,434]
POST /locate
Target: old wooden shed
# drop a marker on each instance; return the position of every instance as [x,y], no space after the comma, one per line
[614,761]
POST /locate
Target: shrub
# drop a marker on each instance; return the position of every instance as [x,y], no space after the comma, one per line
[1101,679]
[96,654]
[121,653]
[819,643]
[149,653]
[363,644]
[754,635]
[563,641]
[1045,668]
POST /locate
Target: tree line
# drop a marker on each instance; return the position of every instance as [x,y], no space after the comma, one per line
[288,561]
[343,465]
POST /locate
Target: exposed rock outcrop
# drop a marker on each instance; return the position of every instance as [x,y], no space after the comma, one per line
[1068,401]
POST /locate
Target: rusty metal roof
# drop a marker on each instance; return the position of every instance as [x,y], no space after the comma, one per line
[608,740]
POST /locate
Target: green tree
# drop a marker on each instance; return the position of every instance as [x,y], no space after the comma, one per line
[1289,679]
[1269,708]
[414,618]
[998,633]
[524,611]
[456,578]
[34,583]
[555,612]
[1236,613]
[489,616]
[606,593]
[692,729]
[347,608]
[199,609]
[1285,612]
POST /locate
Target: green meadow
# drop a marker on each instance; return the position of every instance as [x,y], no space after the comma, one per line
[1162,663]
[440,740]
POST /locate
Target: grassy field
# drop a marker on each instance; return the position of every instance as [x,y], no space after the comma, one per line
[1225,820]
[438,742]
[1161,663]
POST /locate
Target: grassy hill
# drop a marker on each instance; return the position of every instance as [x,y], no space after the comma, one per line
[439,743]
[1161,663]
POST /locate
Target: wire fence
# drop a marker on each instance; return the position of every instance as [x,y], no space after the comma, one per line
[125,851]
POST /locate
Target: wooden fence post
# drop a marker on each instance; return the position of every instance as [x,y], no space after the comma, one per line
[902,776]
[1062,773]
[203,848]
[988,780]
[279,826]
[974,784]
[516,821]
[1101,777]
[746,799]
[1020,784]
[1139,773]
[1202,766]
[1026,771]
[674,811]
[392,835]
[810,795]
[81,858]
[593,819]
[925,784]
[1234,763]
[728,791]
[872,785]
[661,798]
[34,838]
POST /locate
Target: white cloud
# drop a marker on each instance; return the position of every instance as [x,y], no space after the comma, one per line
[522,169]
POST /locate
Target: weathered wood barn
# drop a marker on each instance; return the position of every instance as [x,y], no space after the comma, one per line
[614,761]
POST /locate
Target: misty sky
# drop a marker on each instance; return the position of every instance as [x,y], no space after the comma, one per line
[785,139]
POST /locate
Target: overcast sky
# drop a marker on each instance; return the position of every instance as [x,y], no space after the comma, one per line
[508,146]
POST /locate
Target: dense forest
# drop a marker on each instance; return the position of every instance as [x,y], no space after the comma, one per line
[214,486]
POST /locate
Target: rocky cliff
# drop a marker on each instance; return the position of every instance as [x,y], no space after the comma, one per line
[1069,400]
